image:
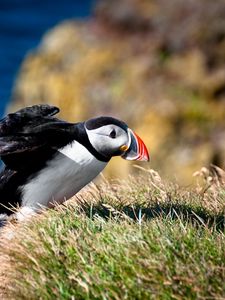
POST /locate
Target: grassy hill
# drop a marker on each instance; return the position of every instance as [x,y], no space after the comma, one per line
[137,239]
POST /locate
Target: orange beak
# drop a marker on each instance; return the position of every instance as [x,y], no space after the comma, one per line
[137,149]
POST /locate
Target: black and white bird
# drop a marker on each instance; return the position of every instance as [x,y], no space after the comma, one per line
[48,160]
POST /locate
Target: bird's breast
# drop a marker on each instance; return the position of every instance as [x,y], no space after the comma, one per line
[69,171]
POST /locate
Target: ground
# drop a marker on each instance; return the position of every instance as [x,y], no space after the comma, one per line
[140,238]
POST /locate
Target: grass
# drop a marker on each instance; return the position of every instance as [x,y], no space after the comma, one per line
[139,239]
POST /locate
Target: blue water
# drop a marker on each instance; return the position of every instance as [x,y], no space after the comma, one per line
[22,24]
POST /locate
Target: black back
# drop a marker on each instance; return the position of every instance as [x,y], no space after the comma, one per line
[28,139]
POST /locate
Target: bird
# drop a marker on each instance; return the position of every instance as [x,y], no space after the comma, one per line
[48,160]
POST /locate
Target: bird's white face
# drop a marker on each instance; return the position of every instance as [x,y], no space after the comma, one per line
[109,140]
[112,137]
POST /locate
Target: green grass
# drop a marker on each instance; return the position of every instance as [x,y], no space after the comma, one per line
[140,239]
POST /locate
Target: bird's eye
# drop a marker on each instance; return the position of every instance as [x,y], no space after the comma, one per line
[113,134]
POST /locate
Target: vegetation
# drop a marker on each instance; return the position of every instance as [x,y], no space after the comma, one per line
[162,73]
[137,239]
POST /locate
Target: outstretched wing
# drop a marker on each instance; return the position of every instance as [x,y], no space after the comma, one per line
[31,130]
[18,122]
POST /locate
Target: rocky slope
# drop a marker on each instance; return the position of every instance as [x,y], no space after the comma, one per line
[158,65]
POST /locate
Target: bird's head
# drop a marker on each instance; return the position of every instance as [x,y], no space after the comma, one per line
[111,137]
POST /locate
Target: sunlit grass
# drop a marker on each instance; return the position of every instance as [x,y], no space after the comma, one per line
[139,239]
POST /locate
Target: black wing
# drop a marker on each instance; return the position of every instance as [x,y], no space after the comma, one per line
[30,132]
[21,119]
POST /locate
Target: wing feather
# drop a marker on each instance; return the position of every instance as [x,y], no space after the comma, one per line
[30,129]
[23,118]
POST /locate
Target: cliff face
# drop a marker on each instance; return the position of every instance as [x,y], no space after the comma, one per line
[158,65]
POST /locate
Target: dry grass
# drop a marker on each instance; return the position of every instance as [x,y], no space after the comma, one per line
[137,239]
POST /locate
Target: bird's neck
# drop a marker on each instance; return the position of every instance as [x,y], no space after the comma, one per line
[82,138]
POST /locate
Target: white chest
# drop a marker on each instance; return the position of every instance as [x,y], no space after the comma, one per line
[63,177]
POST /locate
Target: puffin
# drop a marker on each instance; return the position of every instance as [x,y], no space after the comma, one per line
[47,160]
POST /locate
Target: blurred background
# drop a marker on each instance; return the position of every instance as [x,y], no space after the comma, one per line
[158,65]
